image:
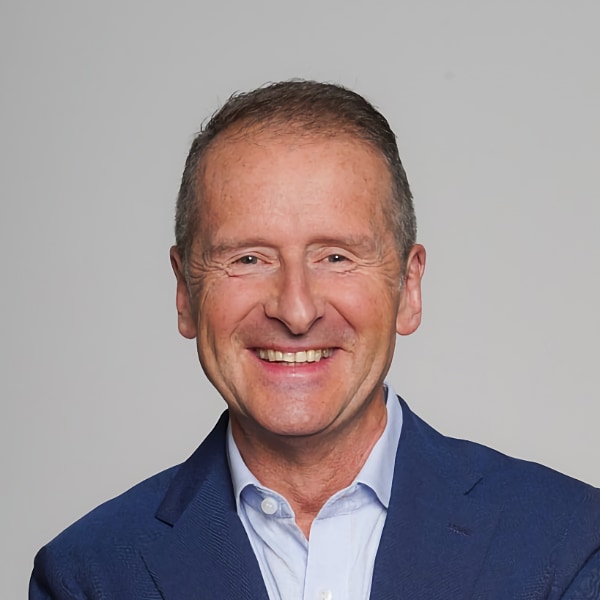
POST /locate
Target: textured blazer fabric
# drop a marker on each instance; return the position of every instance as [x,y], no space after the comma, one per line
[464,521]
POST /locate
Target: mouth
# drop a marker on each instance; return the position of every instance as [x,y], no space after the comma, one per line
[303,356]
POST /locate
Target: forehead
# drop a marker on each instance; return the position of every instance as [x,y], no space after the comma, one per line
[293,191]
[294,163]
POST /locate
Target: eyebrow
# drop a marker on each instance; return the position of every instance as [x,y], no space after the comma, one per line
[232,245]
[365,242]
[226,246]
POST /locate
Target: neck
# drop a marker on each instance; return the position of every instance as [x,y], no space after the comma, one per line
[308,470]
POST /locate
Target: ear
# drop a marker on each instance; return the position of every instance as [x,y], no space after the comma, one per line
[409,310]
[185,315]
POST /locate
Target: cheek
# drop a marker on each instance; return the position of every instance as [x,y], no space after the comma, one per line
[223,308]
[368,306]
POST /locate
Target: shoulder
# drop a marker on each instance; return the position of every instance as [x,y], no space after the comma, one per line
[529,496]
[540,526]
[538,509]
[105,548]
[149,505]
[95,549]
[476,463]
[123,519]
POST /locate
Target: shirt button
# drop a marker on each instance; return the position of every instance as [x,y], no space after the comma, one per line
[269,506]
[325,595]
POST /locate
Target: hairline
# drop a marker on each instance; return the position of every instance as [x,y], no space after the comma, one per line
[277,127]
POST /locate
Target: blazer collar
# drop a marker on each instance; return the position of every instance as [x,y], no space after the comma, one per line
[435,528]
[205,552]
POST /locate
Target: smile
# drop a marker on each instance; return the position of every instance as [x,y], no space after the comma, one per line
[303,356]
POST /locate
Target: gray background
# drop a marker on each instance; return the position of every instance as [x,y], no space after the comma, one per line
[496,107]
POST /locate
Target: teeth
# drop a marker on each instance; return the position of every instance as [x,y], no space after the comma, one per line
[294,357]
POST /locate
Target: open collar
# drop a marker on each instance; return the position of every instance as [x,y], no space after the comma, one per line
[435,526]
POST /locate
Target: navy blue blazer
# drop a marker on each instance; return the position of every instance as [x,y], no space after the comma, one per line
[464,521]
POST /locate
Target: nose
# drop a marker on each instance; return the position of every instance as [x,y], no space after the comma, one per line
[294,301]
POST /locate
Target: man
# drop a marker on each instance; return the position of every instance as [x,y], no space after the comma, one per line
[296,265]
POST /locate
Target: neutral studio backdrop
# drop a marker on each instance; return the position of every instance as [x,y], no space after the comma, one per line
[495,105]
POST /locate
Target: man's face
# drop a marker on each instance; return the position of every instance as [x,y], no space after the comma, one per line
[295,289]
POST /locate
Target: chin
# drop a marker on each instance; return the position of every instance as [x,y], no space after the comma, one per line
[294,425]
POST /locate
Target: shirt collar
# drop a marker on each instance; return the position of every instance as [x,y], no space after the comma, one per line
[377,473]
[378,470]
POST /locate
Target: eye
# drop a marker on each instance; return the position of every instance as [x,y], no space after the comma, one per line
[336,262]
[256,262]
[249,259]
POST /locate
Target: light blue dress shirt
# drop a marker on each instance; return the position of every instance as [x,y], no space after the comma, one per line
[336,563]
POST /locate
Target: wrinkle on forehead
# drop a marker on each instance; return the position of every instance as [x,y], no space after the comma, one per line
[221,166]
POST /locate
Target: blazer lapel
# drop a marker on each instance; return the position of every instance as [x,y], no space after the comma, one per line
[436,532]
[205,552]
